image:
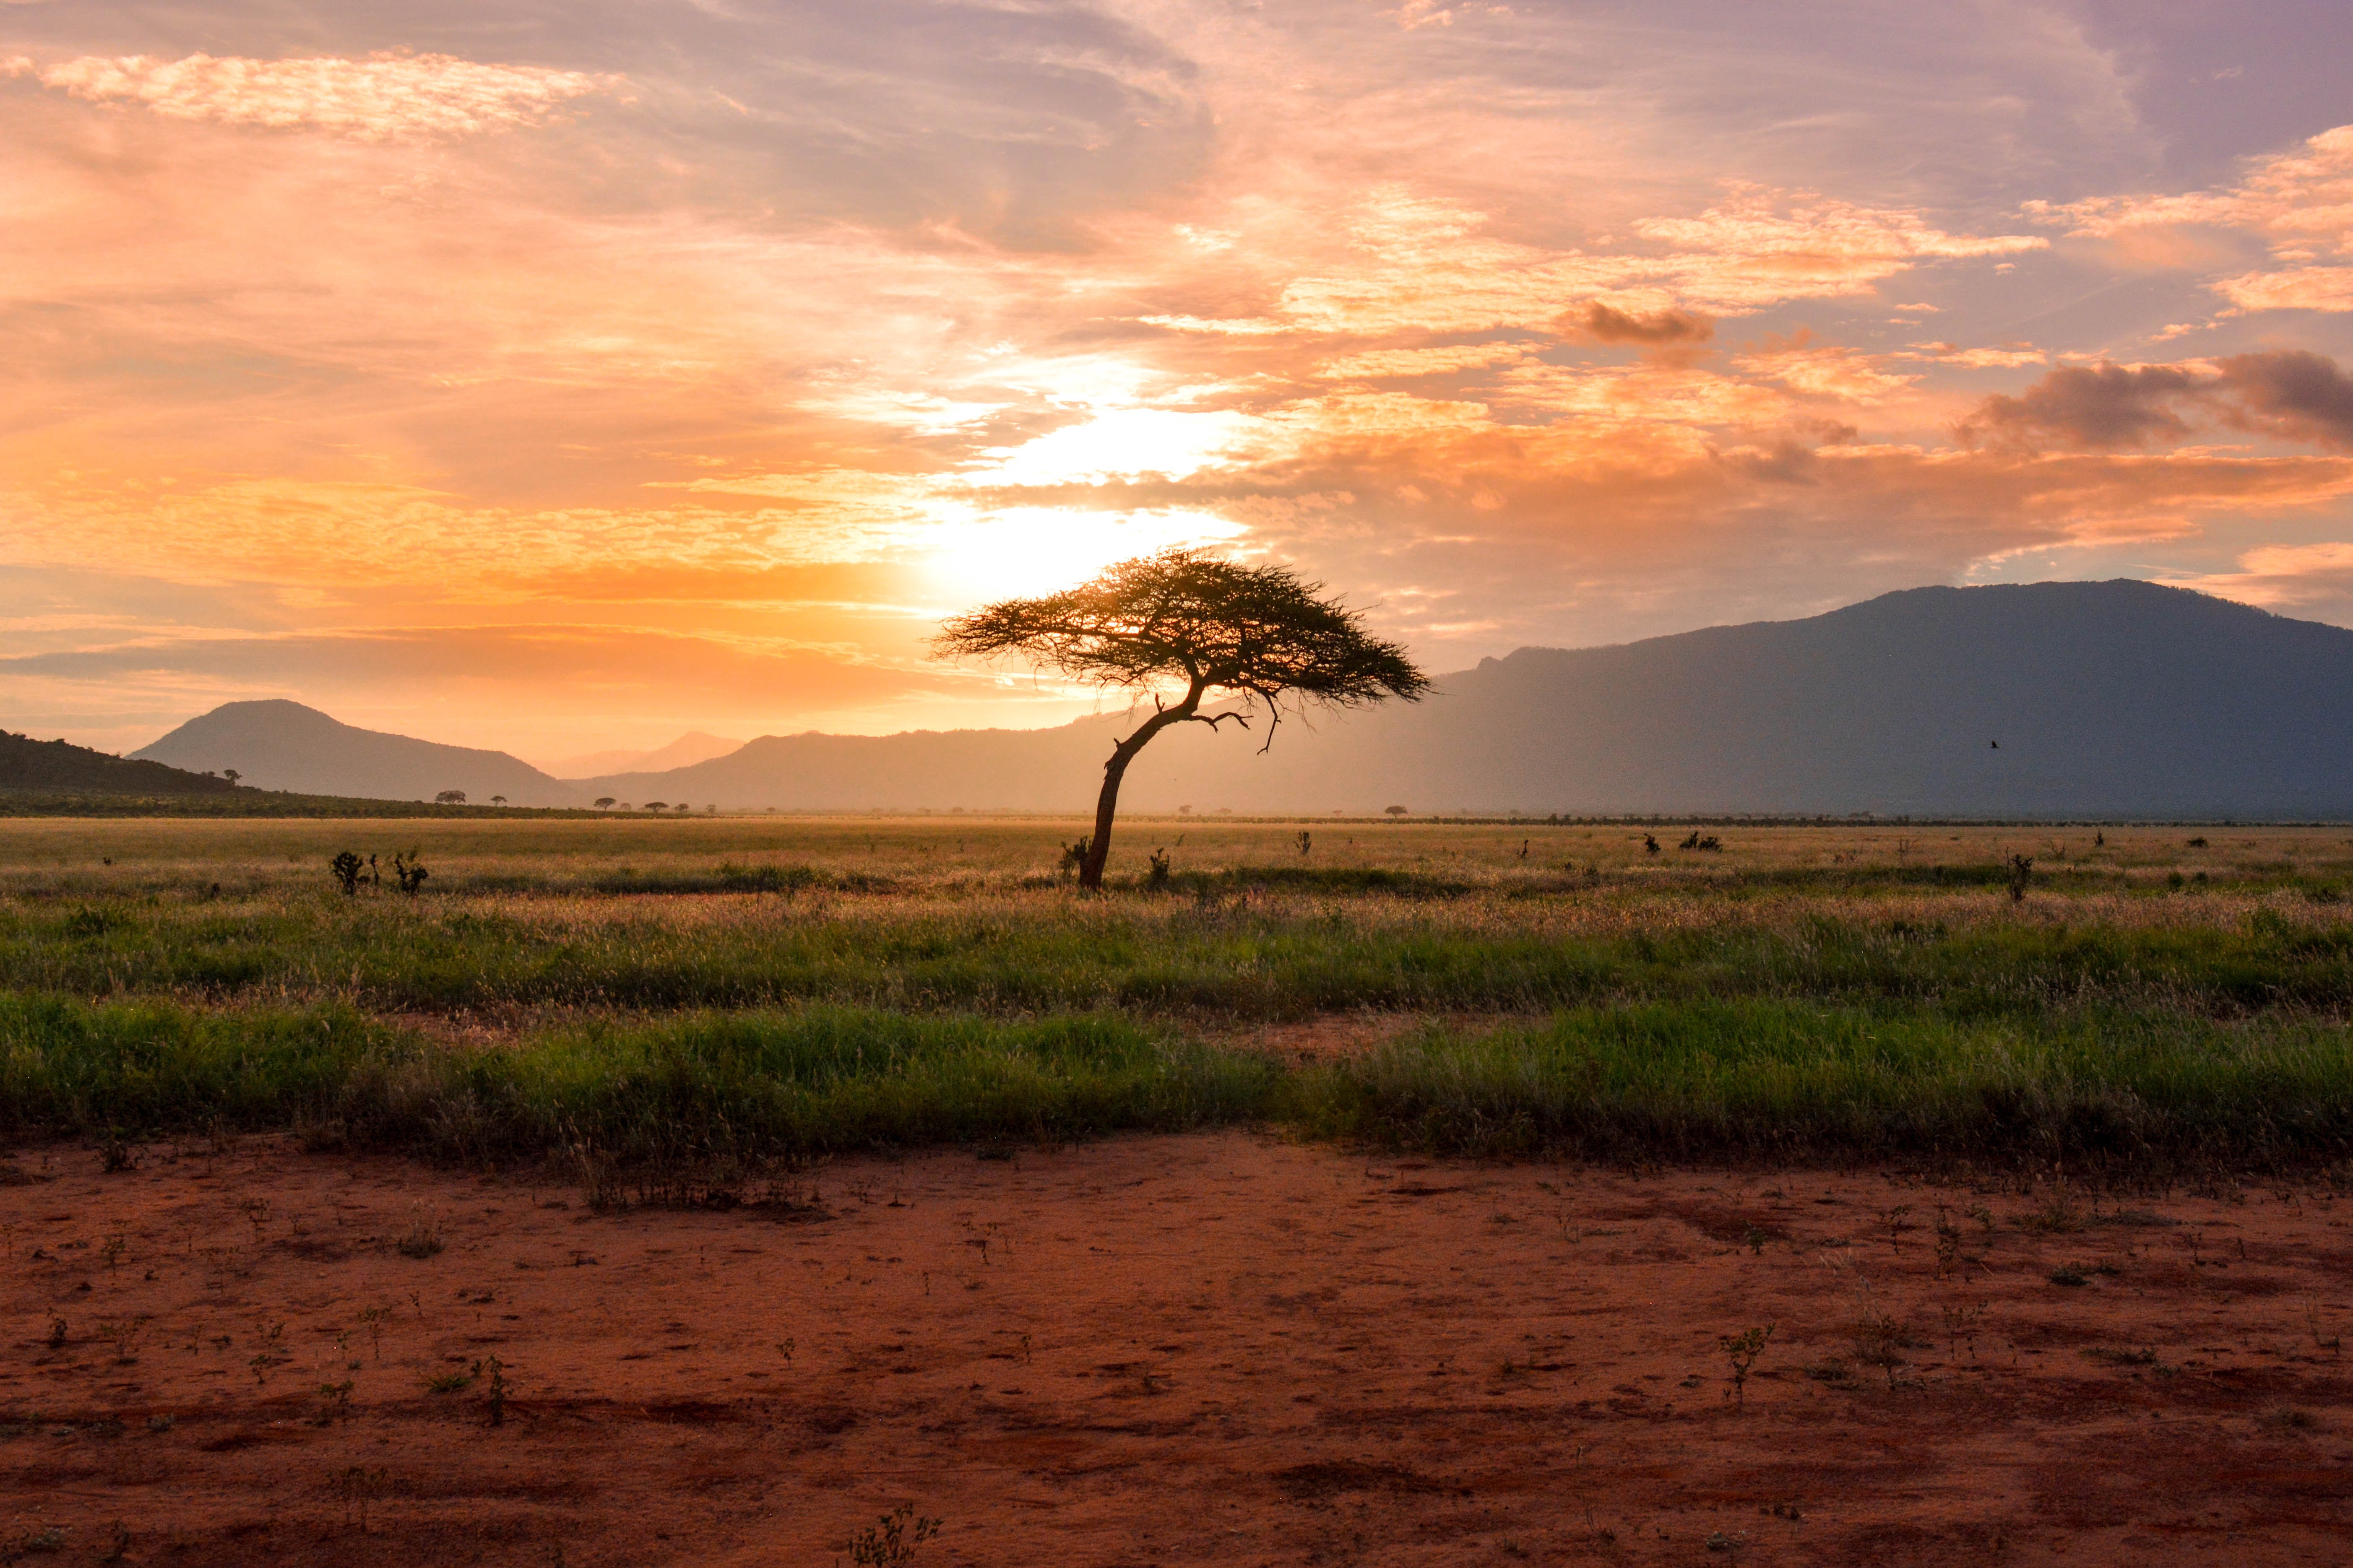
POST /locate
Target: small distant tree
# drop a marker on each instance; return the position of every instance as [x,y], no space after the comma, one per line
[498,800]
[1184,619]
[1394,810]
[604,803]
[232,776]
[657,807]
[450,797]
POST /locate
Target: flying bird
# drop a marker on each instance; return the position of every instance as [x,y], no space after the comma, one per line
[1995,744]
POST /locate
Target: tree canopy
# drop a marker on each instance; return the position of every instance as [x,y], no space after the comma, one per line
[1185,618]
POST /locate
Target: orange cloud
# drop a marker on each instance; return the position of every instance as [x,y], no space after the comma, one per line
[2299,202]
[383,97]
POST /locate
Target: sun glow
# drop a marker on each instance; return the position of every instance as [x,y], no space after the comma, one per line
[1038,550]
[1121,443]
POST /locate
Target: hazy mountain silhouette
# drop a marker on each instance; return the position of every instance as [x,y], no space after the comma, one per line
[2051,699]
[282,745]
[694,746]
[2055,699]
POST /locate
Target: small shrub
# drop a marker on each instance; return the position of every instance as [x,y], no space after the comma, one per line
[345,868]
[2022,874]
[493,1373]
[1156,878]
[421,1239]
[891,1541]
[410,872]
[448,1383]
[1741,1351]
[1074,854]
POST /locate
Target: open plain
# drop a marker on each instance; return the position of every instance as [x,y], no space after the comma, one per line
[1412,1193]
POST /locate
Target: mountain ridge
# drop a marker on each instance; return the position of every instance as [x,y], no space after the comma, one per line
[2120,698]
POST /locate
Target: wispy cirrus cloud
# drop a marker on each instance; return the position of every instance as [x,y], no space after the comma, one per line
[383,97]
[2297,202]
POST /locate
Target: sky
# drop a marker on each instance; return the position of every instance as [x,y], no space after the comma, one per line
[562,376]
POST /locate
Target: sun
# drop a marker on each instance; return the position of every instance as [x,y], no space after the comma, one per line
[997,553]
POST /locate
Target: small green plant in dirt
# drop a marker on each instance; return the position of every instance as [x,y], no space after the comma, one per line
[422,1239]
[1741,1351]
[56,1338]
[41,1542]
[1961,1323]
[359,1486]
[1896,1223]
[492,1374]
[1756,1239]
[1880,1341]
[272,1353]
[1949,1243]
[334,1403]
[891,1541]
[124,1337]
[374,1319]
[2068,1274]
[448,1383]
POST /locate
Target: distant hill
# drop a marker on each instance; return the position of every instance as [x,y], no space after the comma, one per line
[55,767]
[2119,698]
[692,747]
[56,778]
[282,745]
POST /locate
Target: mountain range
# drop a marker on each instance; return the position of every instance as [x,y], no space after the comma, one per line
[2117,700]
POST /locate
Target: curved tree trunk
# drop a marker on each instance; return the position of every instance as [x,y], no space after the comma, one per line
[1091,869]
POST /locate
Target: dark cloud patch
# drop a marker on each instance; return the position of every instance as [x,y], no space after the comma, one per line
[1657,330]
[2089,408]
[2291,394]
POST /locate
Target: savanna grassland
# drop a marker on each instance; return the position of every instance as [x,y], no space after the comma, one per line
[752,987]
[779,1191]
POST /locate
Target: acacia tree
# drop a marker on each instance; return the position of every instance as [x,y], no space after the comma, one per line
[1182,618]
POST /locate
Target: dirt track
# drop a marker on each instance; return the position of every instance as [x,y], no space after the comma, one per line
[1218,1349]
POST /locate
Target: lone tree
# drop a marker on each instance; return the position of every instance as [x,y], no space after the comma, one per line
[1182,618]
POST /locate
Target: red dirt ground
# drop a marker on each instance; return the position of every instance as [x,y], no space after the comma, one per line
[1221,1349]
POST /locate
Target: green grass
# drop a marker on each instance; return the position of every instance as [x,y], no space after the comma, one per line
[1271,959]
[742,989]
[1786,1081]
[1659,1081]
[738,1085]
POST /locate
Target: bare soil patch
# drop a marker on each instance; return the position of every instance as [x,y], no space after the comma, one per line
[1222,1349]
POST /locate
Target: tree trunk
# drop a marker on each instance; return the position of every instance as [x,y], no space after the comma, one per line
[1091,869]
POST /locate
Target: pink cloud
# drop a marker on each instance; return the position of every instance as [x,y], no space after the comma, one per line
[383,97]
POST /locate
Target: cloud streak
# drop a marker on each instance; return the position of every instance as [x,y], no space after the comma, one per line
[385,97]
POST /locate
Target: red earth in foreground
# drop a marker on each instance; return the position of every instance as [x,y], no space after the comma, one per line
[1219,1348]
